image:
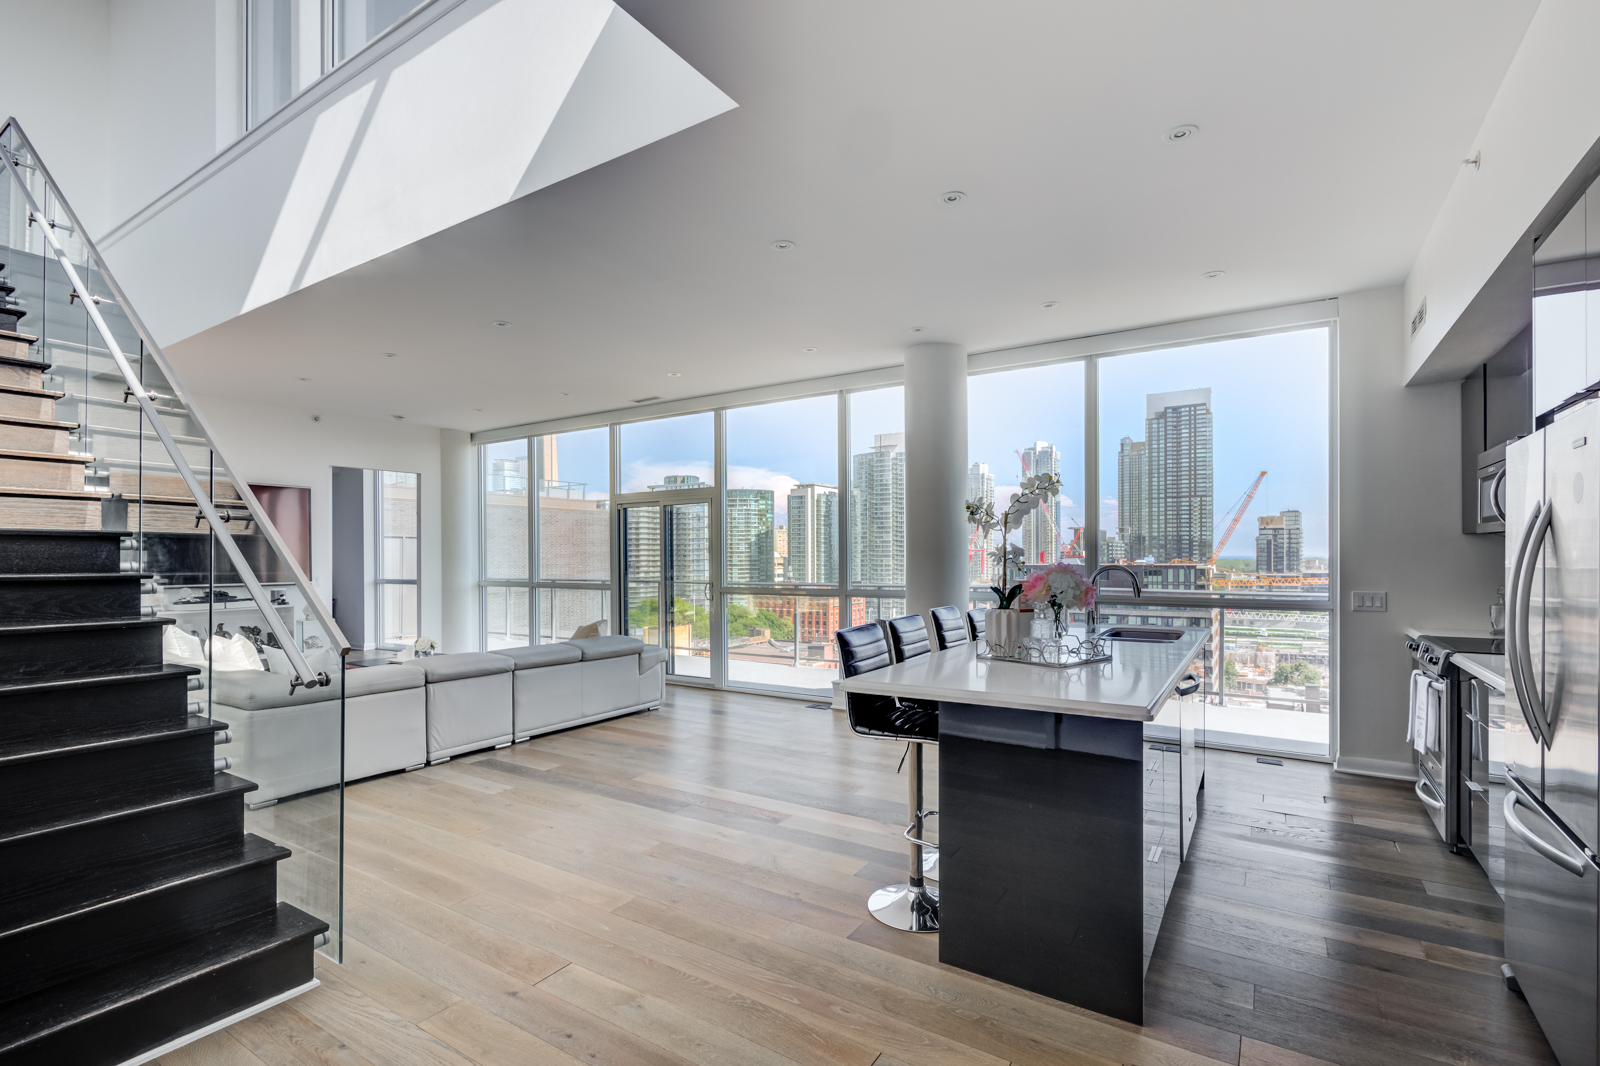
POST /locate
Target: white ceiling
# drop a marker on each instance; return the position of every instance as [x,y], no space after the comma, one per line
[1330,131]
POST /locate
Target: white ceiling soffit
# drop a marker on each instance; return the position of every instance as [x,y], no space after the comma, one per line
[487,103]
[1330,131]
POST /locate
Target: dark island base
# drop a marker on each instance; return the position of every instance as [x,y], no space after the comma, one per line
[1053,852]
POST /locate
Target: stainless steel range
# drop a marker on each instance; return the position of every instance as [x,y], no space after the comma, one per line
[1441,697]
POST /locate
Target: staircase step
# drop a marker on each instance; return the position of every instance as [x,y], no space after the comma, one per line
[19,402]
[65,511]
[42,470]
[35,434]
[115,1014]
[57,858]
[68,597]
[46,785]
[15,366]
[75,649]
[174,905]
[55,551]
[104,706]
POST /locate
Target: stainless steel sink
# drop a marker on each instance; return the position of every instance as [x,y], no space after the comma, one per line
[1142,634]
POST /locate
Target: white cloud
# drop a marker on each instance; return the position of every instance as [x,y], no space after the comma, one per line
[640,476]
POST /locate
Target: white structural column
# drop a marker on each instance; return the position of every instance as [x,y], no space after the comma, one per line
[936,476]
[458,476]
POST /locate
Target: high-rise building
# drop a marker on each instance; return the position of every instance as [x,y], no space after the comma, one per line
[1112,548]
[1164,486]
[813,535]
[877,514]
[1133,496]
[980,489]
[1278,543]
[691,534]
[1041,527]
[748,536]
[780,552]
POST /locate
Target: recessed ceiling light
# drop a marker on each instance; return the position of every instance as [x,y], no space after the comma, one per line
[478,409]
[954,196]
[391,355]
[1048,304]
[566,394]
[1180,133]
[782,246]
[398,418]
[502,323]
[808,349]
[919,329]
[1213,274]
[646,399]
[673,374]
[302,379]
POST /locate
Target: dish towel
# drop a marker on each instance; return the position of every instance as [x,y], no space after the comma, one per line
[1417,712]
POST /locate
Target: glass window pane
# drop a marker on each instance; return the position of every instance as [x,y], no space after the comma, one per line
[783,641]
[1274,692]
[574,507]
[505,616]
[399,613]
[563,611]
[781,513]
[1214,464]
[505,509]
[878,488]
[269,32]
[355,22]
[1020,423]
[668,453]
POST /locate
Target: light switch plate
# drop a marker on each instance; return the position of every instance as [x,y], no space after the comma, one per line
[1369,601]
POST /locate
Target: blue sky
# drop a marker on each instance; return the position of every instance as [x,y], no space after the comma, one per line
[1269,410]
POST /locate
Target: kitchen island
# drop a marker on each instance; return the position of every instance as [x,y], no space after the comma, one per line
[1065,808]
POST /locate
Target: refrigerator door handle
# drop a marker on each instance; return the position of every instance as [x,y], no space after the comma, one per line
[1576,867]
[1529,699]
[1513,667]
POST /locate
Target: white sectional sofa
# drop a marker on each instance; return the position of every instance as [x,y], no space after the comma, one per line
[399,717]
[288,742]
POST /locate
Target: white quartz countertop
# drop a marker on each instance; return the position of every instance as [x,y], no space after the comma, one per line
[1133,685]
[1488,668]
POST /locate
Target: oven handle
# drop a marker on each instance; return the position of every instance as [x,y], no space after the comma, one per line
[1436,804]
[1532,703]
[1576,867]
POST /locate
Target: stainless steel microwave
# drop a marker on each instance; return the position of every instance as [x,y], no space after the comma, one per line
[1491,506]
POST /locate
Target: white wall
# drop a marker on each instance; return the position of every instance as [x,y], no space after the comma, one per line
[55,80]
[1399,528]
[1544,120]
[175,65]
[278,446]
[467,106]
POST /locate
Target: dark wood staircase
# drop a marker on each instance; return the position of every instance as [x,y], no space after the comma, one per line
[134,909]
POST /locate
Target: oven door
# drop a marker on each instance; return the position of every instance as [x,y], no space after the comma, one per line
[1433,766]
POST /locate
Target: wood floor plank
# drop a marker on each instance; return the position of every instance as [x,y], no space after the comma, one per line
[218,1049]
[490,1039]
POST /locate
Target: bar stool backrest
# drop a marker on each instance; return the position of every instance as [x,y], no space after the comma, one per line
[863,648]
[949,628]
[976,619]
[908,637]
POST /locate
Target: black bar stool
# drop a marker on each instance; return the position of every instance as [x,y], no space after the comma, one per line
[908,637]
[913,906]
[976,619]
[949,628]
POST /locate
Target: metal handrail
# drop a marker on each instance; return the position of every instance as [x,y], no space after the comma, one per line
[305,675]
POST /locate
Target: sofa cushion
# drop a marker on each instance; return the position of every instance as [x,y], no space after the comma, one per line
[651,657]
[258,690]
[466,664]
[535,655]
[607,647]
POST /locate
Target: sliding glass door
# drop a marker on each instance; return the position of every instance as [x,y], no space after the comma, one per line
[666,590]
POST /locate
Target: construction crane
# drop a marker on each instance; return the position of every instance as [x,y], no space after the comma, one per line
[1238,516]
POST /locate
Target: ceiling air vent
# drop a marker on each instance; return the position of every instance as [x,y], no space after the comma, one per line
[647,399]
[1420,317]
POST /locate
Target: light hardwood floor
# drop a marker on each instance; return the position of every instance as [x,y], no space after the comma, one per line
[688,886]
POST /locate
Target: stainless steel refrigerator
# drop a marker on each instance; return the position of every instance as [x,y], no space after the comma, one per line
[1552,807]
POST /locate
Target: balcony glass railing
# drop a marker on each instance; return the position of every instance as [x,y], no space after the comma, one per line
[96,432]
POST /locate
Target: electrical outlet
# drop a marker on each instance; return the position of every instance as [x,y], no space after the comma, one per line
[1369,601]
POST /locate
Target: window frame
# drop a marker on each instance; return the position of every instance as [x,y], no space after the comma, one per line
[379,581]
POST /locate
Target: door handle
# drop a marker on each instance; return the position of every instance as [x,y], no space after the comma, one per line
[1576,867]
[1436,804]
[1532,703]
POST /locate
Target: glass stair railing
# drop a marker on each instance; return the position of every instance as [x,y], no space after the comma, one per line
[97,433]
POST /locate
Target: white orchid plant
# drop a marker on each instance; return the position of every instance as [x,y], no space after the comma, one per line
[1034,491]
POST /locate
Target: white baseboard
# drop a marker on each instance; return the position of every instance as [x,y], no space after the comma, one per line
[188,1038]
[1388,768]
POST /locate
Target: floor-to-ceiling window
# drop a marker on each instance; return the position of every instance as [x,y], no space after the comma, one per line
[780,540]
[876,468]
[506,522]
[397,524]
[1214,484]
[572,513]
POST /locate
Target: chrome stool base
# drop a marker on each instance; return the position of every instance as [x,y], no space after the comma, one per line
[915,910]
[930,864]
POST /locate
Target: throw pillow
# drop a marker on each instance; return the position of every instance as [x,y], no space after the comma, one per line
[277,660]
[234,653]
[182,648]
[593,629]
